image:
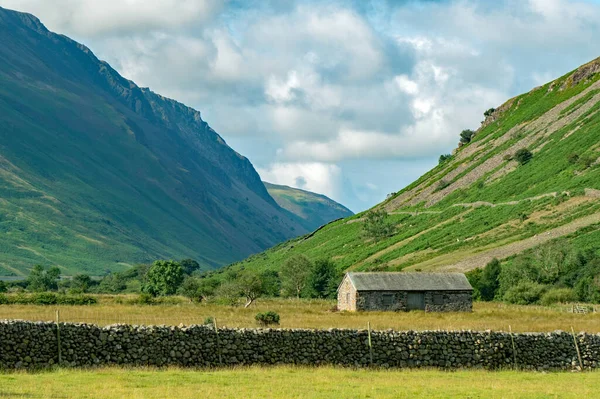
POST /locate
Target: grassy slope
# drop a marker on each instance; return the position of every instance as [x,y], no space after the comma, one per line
[292,382]
[97,173]
[313,210]
[440,227]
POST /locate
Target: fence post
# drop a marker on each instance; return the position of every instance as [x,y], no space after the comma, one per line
[370,344]
[218,343]
[514,348]
[58,337]
[577,348]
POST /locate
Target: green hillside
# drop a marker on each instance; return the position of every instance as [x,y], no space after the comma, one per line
[97,173]
[482,203]
[313,210]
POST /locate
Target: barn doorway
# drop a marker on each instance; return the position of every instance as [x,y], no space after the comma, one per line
[415,301]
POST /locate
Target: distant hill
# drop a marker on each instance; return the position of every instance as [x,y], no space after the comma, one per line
[313,210]
[529,175]
[97,173]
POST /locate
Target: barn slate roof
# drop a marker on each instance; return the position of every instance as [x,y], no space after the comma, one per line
[404,281]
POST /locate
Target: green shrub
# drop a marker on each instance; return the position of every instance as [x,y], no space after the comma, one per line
[466,136]
[442,185]
[525,293]
[377,225]
[489,112]
[144,299]
[77,300]
[444,158]
[3,300]
[48,298]
[573,158]
[559,199]
[267,318]
[586,162]
[558,295]
[209,321]
[523,156]
[44,298]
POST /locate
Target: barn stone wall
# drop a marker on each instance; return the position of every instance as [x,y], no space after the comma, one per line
[450,301]
[34,345]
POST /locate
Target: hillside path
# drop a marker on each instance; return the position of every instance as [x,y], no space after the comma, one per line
[482,258]
[509,203]
[400,244]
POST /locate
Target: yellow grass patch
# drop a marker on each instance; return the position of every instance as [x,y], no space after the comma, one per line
[315,314]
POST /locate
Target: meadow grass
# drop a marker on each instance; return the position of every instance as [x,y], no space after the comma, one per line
[293,382]
[314,314]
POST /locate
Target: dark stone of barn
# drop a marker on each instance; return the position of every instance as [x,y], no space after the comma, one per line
[431,292]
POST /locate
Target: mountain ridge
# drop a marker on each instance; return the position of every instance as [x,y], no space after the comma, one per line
[312,209]
[98,173]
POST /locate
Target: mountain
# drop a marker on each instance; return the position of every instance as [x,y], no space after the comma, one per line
[529,175]
[97,173]
[313,210]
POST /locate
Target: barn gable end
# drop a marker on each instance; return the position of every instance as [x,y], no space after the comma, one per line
[346,295]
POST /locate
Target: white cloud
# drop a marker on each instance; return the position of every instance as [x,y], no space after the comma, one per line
[94,17]
[406,85]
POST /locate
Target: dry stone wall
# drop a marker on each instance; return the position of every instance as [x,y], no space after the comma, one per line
[34,345]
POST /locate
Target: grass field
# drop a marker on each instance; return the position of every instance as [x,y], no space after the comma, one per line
[315,314]
[293,382]
[289,382]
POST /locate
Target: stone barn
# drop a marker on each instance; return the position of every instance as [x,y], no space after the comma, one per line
[432,292]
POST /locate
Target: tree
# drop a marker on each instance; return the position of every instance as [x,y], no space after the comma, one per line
[294,275]
[444,158]
[251,286]
[271,283]
[489,281]
[163,278]
[322,282]
[466,136]
[189,266]
[81,283]
[229,292]
[2,286]
[587,290]
[377,224]
[474,277]
[198,289]
[489,112]
[41,279]
[523,156]
[113,283]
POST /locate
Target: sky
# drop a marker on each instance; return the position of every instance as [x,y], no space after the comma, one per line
[353,99]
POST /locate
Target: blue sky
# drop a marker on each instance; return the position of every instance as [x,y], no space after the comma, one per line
[353,99]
